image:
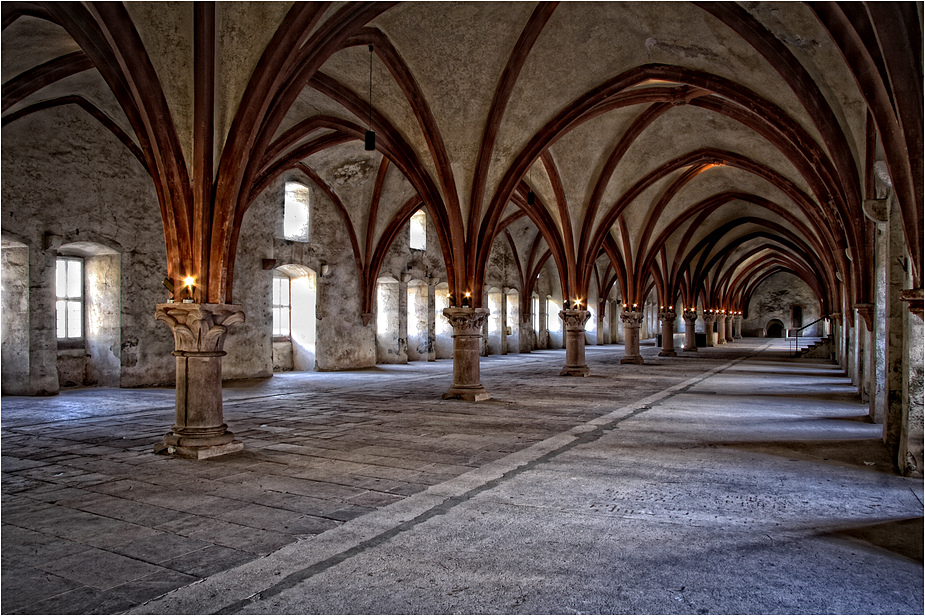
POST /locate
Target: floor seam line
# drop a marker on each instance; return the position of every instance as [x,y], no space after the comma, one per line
[580,438]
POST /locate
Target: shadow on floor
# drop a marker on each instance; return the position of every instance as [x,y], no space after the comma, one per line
[903,537]
[870,454]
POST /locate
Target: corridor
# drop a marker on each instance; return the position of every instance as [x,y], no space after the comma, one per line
[730,480]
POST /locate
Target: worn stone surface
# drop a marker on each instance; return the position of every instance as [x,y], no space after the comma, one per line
[741,475]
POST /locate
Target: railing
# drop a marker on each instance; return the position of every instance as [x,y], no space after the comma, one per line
[795,341]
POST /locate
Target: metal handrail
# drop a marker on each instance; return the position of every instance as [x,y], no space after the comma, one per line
[795,342]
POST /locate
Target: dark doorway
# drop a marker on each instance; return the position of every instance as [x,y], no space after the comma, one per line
[796,316]
[775,329]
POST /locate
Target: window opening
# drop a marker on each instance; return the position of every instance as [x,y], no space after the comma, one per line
[418,239]
[282,307]
[69,307]
[295,212]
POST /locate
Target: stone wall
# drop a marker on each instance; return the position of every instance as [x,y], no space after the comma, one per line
[774,299]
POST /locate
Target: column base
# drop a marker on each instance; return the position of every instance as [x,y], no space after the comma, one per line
[689,348]
[468,394]
[632,359]
[667,354]
[575,371]
[198,452]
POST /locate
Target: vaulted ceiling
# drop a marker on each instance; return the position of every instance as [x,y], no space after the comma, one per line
[692,149]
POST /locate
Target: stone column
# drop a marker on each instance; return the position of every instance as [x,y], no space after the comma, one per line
[737,329]
[631,322]
[911,456]
[893,331]
[467,337]
[867,366]
[837,336]
[708,327]
[720,329]
[690,332]
[667,317]
[730,335]
[574,321]
[199,332]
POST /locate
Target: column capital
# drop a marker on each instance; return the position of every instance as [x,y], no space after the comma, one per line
[466,321]
[575,319]
[667,315]
[632,318]
[915,299]
[866,312]
[836,316]
[199,329]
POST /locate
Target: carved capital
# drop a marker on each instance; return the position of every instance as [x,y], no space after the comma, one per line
[836,316]
[466,321]
[689,317]
[632,319]
[667,315]
[914,297]
[199,328]
[866,312]
[575,319]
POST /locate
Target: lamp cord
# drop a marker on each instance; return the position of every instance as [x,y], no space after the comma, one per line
[370,87]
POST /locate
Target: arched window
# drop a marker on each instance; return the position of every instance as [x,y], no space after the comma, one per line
[69,292]
[296,205]
[282,306]
[443,344]
[418,225]
[88,308]
[293,306]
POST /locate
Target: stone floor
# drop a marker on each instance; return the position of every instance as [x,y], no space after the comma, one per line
[732,480]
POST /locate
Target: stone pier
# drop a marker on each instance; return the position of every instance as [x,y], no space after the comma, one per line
[668,317]
[467,338]
[631,322]
[690,332]
[199,332]
[574,321]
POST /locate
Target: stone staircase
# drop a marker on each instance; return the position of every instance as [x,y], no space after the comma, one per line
[824,348]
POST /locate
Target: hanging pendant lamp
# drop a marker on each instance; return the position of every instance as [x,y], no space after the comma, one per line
[370,141]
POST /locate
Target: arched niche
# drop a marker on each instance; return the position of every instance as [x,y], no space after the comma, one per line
[419,347]
[294,297]
[389,347]
[495,304]
[93,358]
[513,321]
[443,331]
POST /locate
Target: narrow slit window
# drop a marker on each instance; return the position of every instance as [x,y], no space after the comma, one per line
[296,212]
[418,239]
[282,307]
[69,305]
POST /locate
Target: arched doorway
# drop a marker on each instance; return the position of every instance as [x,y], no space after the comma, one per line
[775,328]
